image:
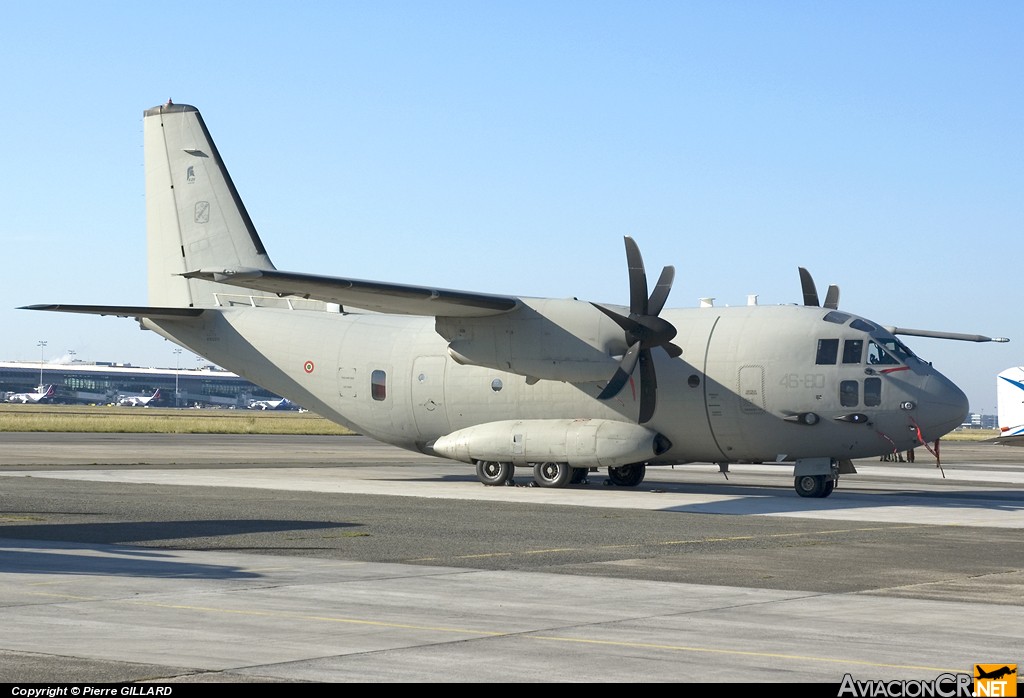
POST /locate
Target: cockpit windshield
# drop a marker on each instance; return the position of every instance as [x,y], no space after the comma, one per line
[888,350]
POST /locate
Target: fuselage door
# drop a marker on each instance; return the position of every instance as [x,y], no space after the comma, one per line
[428,403]
[752,389]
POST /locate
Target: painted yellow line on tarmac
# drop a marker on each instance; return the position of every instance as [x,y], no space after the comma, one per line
[546,638]
[324,619]
[743,653]
[692,541]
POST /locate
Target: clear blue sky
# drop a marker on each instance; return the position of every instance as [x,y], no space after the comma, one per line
[508,147]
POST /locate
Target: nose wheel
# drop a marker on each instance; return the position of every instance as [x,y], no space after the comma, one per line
[818,486]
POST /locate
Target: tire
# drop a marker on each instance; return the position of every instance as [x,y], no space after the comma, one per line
[627,475]
[813,485]
[579,476]
[493,473]
[552,474]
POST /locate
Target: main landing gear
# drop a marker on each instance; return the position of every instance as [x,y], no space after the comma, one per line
[553,474]
[627,475]
[491,472]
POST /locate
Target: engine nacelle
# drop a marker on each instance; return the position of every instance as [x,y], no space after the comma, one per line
[582,443]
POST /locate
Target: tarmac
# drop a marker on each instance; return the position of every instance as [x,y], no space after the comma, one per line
[173,558]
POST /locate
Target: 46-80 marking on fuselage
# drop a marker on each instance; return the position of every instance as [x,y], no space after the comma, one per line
[808,380]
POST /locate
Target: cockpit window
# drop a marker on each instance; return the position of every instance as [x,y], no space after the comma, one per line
[836,317]
[879,356]
[828,350]
[853,350]
[896,348]
[863,325]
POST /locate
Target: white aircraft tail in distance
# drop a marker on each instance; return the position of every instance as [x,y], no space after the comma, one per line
[138,400]
[1010,404]
[554,386]
[42,393]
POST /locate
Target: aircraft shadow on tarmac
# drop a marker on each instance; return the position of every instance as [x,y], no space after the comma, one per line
[765,500]
[99,549]
[110,561]
[746,499]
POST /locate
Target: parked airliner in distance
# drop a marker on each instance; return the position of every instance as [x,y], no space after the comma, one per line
[138,400]
[558,386]
[41,393]
[282,404]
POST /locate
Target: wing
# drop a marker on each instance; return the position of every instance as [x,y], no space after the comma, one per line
[370,295]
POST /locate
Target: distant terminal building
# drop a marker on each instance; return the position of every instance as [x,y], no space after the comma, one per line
[103,383]
[976,420]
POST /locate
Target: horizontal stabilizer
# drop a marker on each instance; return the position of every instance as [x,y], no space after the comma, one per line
[370,295]
[121,311]
[945,335]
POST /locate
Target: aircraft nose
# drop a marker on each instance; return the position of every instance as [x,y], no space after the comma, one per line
[943,407]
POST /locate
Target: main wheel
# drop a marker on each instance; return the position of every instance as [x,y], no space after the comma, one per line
[491,472]
[579,475]
[627,475]
[813,485]
[552,474]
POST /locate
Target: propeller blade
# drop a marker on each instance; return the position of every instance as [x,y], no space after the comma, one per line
[807,284]
[672,350]
[832,297]
[622,373]
[661,290]
[648,387]
[637,278]
[624,322]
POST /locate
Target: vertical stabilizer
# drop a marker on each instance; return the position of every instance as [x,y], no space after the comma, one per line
[194,216]
[1010,401]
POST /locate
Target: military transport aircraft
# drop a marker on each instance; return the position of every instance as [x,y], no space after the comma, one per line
[559,386]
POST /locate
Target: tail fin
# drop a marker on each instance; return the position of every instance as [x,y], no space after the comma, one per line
[1010,401]
[194,216]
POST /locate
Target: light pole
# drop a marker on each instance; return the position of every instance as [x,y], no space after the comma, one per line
[177,369]
[42,346]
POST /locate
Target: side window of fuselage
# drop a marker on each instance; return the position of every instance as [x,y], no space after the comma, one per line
[872,392]
[378,385]
[849,393]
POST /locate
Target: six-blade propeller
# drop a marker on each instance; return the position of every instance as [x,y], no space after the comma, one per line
[644,330]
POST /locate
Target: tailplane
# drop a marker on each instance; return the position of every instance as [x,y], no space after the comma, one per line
[194,216]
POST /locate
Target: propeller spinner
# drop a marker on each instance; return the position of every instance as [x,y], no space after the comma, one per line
[644,330]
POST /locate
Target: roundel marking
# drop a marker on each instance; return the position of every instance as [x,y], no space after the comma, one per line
[308,367]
